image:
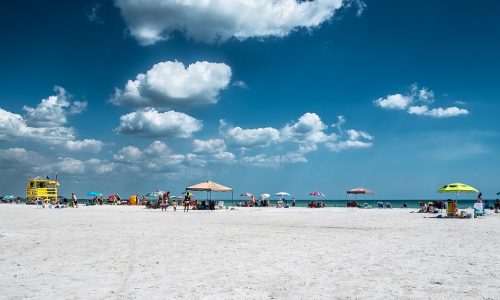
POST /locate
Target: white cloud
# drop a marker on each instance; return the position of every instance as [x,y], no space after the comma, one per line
[437,112]
[157,157]
[209,146]
[151,123]
[223,157]
[53,111]
[86,145]
[13,126]
[19,159]
[158,148]
[349,144]
[248,138]
[263,160]
[128,154]
[219,20]
[240,84]
[171,84]
[307,133]
[416,103]
[396,101]
[349,139]
[309,128]
[70,166]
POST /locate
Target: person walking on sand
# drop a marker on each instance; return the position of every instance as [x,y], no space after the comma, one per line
[74,199]
[187,201]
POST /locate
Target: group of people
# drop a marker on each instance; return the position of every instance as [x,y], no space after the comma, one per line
[164,202]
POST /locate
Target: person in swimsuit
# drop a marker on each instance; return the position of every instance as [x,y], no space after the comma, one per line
[187,201]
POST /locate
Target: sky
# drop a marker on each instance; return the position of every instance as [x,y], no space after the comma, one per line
[128,96]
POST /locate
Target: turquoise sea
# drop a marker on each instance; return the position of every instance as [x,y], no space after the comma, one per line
[343,203]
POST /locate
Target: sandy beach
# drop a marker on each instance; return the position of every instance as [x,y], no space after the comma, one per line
[125,252]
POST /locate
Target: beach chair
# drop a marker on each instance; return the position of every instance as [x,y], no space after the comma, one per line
[451,209]
[479,209]
[40,204]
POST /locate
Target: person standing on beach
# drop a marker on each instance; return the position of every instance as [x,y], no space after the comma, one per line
[479,198]
[74,199]
[187,201]
[293,201]
[174,205]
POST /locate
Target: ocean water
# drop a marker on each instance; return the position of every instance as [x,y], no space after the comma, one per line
[343,203]
[462,204]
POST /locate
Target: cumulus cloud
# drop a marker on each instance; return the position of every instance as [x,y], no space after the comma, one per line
[396,101]
[86,145]
[19,159]
[209,146]
[416,103]
[219,20]
[47,123]
[306,133]
[151,123]
[249,138]
[171,84]
[13,126]
[349,139]
[156,157]
[309,128]
[128,154]
[53,111]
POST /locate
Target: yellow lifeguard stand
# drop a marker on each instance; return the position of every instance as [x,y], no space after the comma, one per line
[41,189]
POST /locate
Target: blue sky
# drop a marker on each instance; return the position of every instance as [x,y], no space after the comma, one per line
[133,96]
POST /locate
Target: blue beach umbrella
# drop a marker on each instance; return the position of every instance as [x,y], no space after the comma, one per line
[94,194]
[8,198]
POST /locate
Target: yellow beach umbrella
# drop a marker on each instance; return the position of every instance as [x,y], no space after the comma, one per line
[457,187]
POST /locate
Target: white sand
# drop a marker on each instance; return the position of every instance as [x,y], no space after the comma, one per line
[264,253]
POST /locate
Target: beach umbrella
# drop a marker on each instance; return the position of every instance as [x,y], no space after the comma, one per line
[282,194]
[8,198]
[264,196]
[114,196]
[498,193]
[152,196]
[94,194]
[246,194]
[317,194]
[358,191]
[457,188]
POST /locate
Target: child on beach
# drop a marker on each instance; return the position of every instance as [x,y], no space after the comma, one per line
[174,205]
